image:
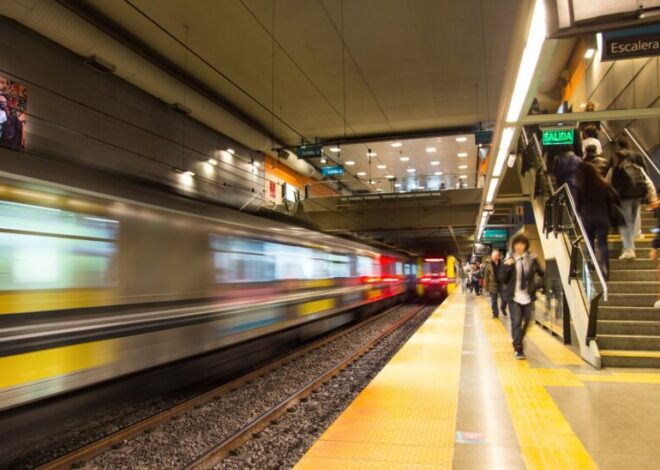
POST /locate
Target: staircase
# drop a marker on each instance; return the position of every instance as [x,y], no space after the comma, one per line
[628,325]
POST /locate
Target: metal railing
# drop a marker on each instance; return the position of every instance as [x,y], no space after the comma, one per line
[562,219]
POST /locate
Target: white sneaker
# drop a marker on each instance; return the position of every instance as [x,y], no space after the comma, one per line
[656,304]
[627,253]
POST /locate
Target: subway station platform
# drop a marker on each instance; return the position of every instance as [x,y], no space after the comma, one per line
[455,397]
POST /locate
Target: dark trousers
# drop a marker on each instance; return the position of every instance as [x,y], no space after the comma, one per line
[493,304]
[597,234]
[521,316]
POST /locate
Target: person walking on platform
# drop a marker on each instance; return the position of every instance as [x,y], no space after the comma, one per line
[596,202]
[492,284]
[520,277]
[632,183]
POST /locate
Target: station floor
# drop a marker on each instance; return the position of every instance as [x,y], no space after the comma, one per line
[454,397]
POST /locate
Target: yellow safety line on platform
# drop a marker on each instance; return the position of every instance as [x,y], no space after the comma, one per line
[406,417]
[552,348]
[546,438]
[623,377]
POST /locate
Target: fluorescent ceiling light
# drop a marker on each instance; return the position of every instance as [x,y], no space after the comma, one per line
[462,167]
[435,163]
[589,53]
[382,167]
[463,177]
[461,139]
[396,144]
[231,151]
[361,173]
[349,163]
[389,177]
[431,150]
[404,159]
[257,164]
[462,155]
[189,173]
[491,190]
[438,173]
[212,161]
[397,185]
[535,38]
[503,152]
[371,154]
[410,170]
[335,149]
[324,160]
[379,190]
[372,182]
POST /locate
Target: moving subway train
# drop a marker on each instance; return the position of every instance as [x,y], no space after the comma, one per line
[94,287]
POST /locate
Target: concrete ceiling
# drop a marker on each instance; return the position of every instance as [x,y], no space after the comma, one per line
[378,67]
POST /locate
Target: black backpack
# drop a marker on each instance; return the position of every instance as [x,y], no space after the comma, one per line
[630,180]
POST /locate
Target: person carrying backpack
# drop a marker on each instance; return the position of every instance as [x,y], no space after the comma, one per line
[632,183]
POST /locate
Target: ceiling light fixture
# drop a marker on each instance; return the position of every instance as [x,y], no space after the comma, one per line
[324,160]
[361,173]
[420,187]
[212,161]
[491,190]
[589,53]
[371,154]
[462,155]
[404,159]
[461,139]
[530,57]
[397,185]
[503,152]
[389,177]
[188,173]
[438,173]
[462,177]
[435,163]
[335,149]
[462,167]
[231,151]
[431,150]
[396,144]
[410,170]
[349,163]
[381,167]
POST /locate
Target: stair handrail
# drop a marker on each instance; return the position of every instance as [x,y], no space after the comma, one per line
[641,150]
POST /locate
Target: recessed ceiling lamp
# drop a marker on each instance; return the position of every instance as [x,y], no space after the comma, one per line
[188,173]
[435,163]
[438,173]
[461,139]
[396,144]
[397,185]
[324,160]
[382,167]
[410,170]
[335,149]
[361,173]
[462,155]
[212,161]
[589,53]
[379,190]
[404,159]
[231,151]
[371,154]
[389,177]
[349,163]
[431,150]
[462,167]
[463,177]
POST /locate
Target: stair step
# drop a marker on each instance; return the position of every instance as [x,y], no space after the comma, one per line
[628,313]
[632,275]
[639,263]
[629,342]
[628,327]
[627,287]
[631,300]
[643,252]
[611,358]
[618,243]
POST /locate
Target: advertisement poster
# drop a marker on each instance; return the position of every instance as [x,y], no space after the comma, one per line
[13,105]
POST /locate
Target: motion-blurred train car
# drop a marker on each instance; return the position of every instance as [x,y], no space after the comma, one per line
[433,282]
[94,287]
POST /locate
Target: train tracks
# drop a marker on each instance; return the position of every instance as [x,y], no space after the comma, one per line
[251,427]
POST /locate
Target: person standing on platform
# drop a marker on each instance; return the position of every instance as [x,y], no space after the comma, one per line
[520,276]
[492,284]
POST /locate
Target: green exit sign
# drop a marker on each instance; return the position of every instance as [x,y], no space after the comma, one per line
[558,136]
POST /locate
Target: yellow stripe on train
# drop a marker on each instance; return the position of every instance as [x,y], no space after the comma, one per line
[42,300]
[316,306]
[38,365]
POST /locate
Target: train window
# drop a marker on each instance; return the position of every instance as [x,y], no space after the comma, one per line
[44,248]
[434,266]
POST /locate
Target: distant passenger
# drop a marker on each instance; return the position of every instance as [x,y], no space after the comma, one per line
[591,156]
[566,165]
[632,183]
[590,137]
[596,201]
[521,277]
[590,108]
[492,284]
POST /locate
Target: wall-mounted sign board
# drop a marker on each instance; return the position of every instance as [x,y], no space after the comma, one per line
[633,42]
[309,151]
[332,171]
[557,136]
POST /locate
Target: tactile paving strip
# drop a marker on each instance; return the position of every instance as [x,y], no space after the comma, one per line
[406,417]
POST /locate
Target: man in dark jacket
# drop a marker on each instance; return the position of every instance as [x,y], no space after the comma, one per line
[518,276]
[492,284]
